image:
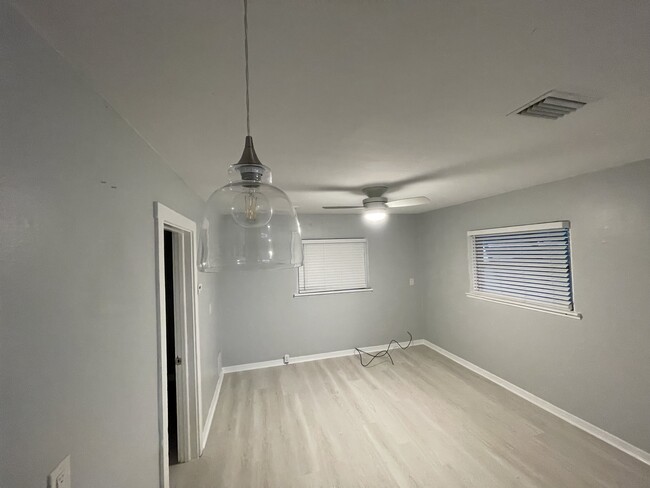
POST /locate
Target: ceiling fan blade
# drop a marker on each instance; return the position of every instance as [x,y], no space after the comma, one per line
[408,202]
[342,207]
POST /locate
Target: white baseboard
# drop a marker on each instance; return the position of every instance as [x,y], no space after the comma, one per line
[601,434]
[311,357]
[213,407]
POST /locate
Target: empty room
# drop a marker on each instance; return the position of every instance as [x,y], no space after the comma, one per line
[324,243]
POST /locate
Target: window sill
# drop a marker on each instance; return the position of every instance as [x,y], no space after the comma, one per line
[569,314]
[337,292]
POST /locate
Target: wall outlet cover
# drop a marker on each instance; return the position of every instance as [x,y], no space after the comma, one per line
[60,476]
[286,359]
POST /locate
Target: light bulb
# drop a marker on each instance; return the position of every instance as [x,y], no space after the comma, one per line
[375,215]
[251,208]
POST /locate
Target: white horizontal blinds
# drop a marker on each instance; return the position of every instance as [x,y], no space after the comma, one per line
[333,265]
[531,266]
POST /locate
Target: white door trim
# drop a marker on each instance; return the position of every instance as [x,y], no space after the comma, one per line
[187,338]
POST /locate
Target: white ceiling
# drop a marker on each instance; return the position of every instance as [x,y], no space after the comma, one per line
[351,93]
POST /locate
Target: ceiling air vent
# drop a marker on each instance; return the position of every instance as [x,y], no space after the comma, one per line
[553,105]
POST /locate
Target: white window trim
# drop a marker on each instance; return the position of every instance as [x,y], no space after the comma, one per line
[562,224]
[297,294]
[337,292]
[518,303]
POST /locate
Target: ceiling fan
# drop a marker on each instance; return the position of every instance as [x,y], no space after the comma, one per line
[376,204]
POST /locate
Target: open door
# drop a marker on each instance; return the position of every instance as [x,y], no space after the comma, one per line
[174,336]
[178,340]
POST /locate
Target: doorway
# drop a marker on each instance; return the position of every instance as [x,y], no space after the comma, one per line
[179,400]
[172,402]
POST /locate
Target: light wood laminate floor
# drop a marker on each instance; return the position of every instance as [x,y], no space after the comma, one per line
[425,422]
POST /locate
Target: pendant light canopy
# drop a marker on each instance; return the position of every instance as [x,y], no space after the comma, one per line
[249,223]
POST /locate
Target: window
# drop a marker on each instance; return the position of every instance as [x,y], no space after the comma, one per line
[333,266]
[528,265]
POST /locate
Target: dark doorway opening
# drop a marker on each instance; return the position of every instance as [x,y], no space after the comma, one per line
[172,422]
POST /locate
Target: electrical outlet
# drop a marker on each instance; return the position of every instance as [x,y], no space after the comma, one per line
[286,359]
[411,281]
[60,477]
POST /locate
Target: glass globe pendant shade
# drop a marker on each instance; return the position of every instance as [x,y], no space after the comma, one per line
[249,223]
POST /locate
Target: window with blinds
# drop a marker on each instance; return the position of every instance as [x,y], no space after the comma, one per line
[333,266]
[528,265]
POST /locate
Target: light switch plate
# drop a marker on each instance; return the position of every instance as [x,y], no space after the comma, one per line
[60,477]
[412,281]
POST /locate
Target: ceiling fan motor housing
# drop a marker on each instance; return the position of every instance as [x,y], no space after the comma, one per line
[375,202]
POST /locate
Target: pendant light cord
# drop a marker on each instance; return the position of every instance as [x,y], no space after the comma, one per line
[248,114]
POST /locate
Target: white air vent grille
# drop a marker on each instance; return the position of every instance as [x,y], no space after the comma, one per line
[553,105]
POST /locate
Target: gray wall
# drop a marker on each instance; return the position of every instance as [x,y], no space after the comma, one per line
[262,320]
[78,334]
[597,368]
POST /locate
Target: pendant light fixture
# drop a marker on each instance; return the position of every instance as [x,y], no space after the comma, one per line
[249,223]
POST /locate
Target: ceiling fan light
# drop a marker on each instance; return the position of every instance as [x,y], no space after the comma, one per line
[375,215]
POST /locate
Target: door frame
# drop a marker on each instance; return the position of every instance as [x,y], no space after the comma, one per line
[188,374]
